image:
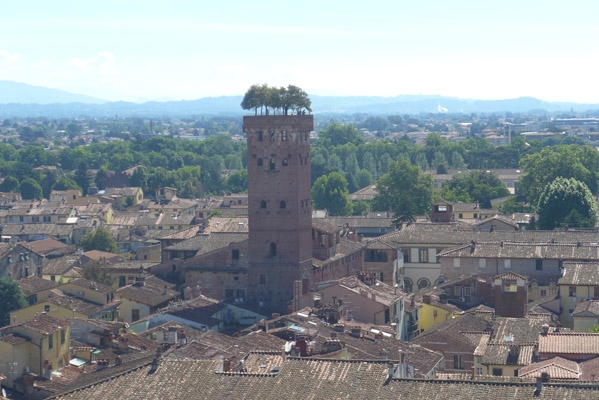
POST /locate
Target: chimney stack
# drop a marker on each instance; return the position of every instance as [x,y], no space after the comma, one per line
[544,329]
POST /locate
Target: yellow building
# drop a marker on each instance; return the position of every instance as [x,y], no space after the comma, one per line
[91,291]
[39,345]
[586,316]
[435,310]
[65,306]
[579,283]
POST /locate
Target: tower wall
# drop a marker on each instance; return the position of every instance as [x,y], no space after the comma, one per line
[279,207]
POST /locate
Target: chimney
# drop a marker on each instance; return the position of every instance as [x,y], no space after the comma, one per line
[275,315]
[544,329]
[443,298]
[226,365]
[426,299]
[165,292]
[539,388]
[473,371]
[472,246]
[155,364]
[545,377]
[172,335]
[301,344]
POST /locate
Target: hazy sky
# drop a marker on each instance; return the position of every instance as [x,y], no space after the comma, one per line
[172,50]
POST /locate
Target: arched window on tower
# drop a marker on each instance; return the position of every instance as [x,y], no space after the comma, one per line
[273,249]
[282,204]
[262,203]
[272,163]
[259,162]
[285,162]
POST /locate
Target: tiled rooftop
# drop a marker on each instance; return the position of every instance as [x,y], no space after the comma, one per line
[569,343]
[561,251]
[35,284]
[580,273]
[558,368]
[305,379]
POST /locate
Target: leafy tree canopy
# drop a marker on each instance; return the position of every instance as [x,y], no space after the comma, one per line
[100,239]
[11,298]
[336,134]
[567,202]
[567,161]
[283,100]
[31,190]
[478,186]
[330,193]
[97,271]
[404,190]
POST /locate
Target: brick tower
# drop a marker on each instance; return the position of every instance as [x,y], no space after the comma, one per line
[279,208]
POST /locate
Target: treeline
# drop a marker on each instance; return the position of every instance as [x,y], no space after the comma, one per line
[194,167]
[217,164]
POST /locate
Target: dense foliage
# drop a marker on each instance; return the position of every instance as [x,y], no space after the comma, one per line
[567,203]
[266,98]
[11,298]
[99,239]
[572,161]
[405,191]
[330,193]
[476,186]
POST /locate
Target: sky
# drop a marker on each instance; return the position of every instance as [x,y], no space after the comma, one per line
[184,50]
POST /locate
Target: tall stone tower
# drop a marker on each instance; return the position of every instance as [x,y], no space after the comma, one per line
[279,208]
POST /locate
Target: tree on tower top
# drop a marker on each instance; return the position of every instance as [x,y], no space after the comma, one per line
[276,100]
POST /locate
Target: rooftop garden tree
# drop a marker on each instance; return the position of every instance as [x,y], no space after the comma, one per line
[282,100]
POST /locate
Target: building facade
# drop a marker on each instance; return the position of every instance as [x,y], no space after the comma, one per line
[279,208]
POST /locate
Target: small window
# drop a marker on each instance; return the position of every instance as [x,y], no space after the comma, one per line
[457,290]
[259,162]
[235,254]
[572,291]
[272,136]
[285,162]
[467,291]
[497,371]
[284,135]
[596,292]
[442,209]
[456,263]
[423,283]
[457,362]
[539,265]
[482,263]
[46,308]
[62,336]
[282,204]
[260,136]
[51,341]
[273,164]
[407,284]
[273,249]
[543,292]
[507,264]
[262,203]
[423,255]
[460,215]
[475,215]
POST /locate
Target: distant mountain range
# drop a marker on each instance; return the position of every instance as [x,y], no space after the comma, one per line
[22,100]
